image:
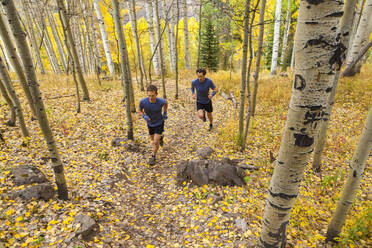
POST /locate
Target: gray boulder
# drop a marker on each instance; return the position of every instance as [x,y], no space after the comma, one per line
[44,191]
[202,172]
[205,152]
[27,174]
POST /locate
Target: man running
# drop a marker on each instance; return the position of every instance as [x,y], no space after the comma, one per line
[203,98]
[150,109]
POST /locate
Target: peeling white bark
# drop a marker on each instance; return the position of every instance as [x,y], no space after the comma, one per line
[150,23]
[316,57]
[274,58]
[186,34]
[351,187]
[105,41]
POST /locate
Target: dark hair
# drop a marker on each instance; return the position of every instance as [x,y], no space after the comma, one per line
[152,88]
[201,70]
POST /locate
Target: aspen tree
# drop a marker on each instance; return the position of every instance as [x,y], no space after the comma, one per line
[25,55]
[316,63]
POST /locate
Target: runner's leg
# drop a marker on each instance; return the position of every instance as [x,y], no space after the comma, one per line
[201,114]
[210,117]
[156,143]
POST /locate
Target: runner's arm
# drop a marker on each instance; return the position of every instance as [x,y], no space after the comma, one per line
[165,107]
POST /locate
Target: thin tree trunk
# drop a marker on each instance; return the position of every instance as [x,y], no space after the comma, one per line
[159,36]
[78,107]
[31,33]
[173,36]
[14,60]
[160,48]
[292,57]
[357,59]
[97,53]
[68,34]
[351,186]
[12,120]
[199,38]
[124,69]
[244,70]
[361,36]
[25,55]
[57,39]
[274,58]
[317,27]
[356,21]
[259,53]
[43,30]
[176,44]
[133,17]
[6,57]
[149,19]
[285,36]
[168,33]
[105,41]
[344,29]
[249,114]
[186,35]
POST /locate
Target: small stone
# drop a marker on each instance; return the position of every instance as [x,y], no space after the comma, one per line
[241,225]
[88,226]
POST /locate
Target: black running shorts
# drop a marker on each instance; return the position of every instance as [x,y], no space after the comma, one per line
[156,130]
[207,107]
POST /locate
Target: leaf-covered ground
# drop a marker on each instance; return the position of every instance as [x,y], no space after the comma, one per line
[137,205]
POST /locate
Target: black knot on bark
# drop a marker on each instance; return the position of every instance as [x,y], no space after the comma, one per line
[303,140]
[299,82]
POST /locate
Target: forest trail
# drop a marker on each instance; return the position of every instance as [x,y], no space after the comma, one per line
[137,205]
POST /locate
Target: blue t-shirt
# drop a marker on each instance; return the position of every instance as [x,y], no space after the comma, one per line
[153,110]
[202,90]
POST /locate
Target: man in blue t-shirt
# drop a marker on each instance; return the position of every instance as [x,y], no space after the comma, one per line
[150,109]
[203,98]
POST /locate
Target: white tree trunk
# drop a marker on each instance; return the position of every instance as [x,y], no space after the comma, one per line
[149,19]
[274,58]
[345,28]
[362,33]
[285,35]
[133,18]
[15,62]
[173,36]
[165,16]
[105,41]
[12,119]
[243,76]
[5,79]
[97,53]
[159,37]
[158,30]
[356,21]
[259,52]
[315,54]
[25,55]
[57,38]
[186,35]
[88,34]
[124,65]
[6,55]
[31,32]
[351,186]
[69,37]
[43,30]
